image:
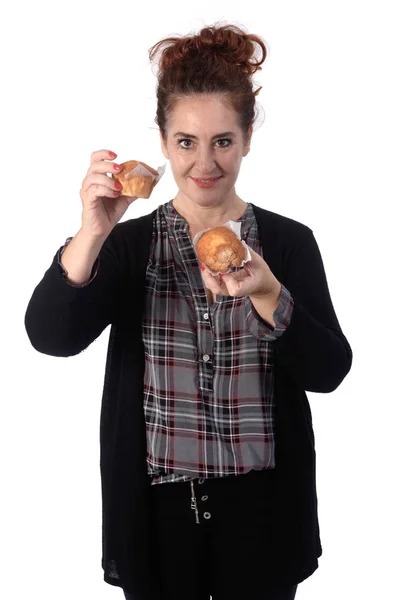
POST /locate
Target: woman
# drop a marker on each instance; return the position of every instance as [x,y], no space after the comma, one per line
[206,438]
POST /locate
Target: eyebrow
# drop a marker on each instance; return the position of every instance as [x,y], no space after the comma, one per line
[193,137]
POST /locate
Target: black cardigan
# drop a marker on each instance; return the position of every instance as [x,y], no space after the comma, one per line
[312,355]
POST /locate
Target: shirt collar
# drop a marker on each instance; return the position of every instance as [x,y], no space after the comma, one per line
[177,223]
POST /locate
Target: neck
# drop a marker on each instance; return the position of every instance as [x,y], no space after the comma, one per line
[204,217]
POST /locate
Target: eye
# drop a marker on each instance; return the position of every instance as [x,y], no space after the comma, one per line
[183,140]
[225,140]
[189,140]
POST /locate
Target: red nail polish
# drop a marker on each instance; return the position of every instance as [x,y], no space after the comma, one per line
[113,155]
[202,267]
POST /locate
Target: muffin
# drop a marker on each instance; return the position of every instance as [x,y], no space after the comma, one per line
[220,249]
[139,183]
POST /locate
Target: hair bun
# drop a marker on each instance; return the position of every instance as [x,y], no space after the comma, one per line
[210,45]
[231,43]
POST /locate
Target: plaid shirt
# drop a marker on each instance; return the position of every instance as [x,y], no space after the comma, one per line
[209,372]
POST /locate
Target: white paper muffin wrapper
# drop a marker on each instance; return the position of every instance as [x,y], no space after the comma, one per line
[141,170]
[234,226]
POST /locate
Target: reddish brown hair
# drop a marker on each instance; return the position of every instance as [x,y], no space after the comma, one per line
[216,60]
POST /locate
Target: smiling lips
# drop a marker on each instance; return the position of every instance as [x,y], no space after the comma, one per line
[206,182]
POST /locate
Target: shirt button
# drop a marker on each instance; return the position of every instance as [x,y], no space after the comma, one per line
[201,481]
[206,357]
[207,515]
[204,498]
[205,316]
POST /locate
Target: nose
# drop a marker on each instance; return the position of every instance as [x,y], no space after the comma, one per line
[205,161]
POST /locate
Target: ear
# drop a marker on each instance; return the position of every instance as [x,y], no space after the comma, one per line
[163,146]
[247,143]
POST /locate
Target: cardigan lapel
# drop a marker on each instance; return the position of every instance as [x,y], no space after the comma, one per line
[270,240]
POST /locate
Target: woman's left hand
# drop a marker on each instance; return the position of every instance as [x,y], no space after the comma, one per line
[255,279]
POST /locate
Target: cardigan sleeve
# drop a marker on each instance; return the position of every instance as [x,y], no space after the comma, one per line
[62,319]
[93,274]
[314,349]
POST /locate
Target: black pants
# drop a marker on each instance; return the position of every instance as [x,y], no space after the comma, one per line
[209,536]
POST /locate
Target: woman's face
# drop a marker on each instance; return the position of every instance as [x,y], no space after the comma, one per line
[207,154]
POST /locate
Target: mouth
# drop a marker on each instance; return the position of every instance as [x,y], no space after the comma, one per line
[206,181]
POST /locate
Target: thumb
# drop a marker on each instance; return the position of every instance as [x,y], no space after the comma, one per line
[253,254]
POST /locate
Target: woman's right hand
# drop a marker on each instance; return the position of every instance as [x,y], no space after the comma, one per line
[103,204]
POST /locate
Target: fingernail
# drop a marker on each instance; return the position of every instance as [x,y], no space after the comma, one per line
[113,155]
[202,267]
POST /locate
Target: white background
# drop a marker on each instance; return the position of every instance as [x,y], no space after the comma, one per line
[77,78]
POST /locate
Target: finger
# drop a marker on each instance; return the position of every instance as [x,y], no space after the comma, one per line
[236,282]
[98,191]
[232,286]
[97,179]
[219,286]
[103,166]
[102,155]
[211,281]
[255,258]
[240,275]
[215,283]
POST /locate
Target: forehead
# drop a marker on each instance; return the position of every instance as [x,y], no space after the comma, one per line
[203,115]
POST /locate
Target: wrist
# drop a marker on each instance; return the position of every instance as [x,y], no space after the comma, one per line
[272,293]
[90,244]
[266,303]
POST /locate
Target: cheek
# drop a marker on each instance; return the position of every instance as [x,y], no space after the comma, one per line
[180,165]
